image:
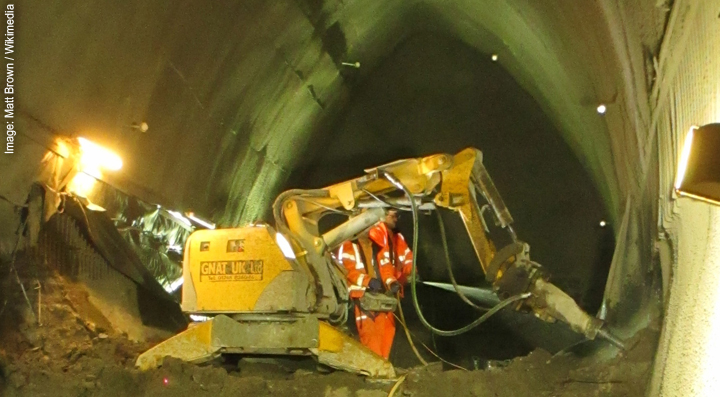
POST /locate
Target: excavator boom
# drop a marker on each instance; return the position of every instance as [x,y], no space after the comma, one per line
[281,292]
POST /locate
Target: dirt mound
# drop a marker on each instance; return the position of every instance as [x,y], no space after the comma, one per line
[102,366]
[593,368]
[73,353]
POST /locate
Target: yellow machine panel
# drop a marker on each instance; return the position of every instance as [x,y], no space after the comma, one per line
[227,270]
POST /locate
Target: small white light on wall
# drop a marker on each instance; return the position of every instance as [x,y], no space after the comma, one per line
[494,57]
[603,223]
[601,109]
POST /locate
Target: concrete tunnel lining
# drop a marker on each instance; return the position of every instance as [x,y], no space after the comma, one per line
[195,72]
[206,90]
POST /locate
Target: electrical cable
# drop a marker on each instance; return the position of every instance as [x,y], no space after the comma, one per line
[397,385]
[398,207]
[429,349]
[407,332]
[413,288]
[335,210]
[277,207]
[449,265]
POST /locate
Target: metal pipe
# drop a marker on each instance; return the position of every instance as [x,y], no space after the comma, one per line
[429,206]
[352,227]
[608,336]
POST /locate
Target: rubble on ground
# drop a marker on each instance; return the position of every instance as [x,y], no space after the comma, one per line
[70,356]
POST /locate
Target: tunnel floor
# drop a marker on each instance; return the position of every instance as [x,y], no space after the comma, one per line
[69,355]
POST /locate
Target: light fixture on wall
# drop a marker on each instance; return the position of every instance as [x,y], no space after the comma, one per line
[93,159]
[698,173]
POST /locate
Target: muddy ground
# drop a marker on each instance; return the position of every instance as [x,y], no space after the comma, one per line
[70,356]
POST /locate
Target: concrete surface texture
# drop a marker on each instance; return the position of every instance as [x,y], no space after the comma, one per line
[692,321]
[239,87]
[235,93]
[687,94]
[434,94]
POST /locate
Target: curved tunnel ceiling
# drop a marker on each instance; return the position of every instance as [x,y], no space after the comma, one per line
[234,91]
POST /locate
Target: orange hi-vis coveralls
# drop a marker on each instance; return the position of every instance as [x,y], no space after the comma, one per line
[376,329]
[393,255]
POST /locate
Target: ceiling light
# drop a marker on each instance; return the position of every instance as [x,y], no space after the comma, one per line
[603,223]
[494,57]
[698,173]
[601,109]
[142,127]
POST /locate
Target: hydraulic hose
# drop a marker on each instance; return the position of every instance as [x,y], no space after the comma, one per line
[449,265]
[413,288]
[280,223]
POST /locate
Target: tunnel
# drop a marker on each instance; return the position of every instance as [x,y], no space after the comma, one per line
[580,110]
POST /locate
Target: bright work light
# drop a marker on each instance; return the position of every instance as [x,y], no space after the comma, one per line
[95,156]
[698,174]
[93,159]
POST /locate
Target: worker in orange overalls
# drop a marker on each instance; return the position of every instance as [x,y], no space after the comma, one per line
[389,268]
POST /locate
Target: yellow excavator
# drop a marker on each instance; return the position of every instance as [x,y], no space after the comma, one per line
[281,292]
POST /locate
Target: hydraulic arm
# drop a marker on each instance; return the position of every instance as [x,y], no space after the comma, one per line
[269,292]
[457,182]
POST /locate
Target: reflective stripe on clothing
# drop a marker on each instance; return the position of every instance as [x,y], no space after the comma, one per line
[358,258]
[350,258]
[376,331]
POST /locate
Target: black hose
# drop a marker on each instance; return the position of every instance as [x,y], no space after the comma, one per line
[413,288]
[449,265]
[390,205]
[280,223]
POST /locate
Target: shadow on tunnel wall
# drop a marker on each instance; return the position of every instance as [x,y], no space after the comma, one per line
[434,94]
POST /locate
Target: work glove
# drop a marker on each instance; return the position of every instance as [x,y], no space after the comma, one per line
[394,288]
[375,285]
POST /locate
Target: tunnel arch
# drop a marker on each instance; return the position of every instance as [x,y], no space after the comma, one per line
[233,92]
[266,81]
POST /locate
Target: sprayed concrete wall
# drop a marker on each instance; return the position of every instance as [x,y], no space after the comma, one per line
[233,93]
[687,94]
